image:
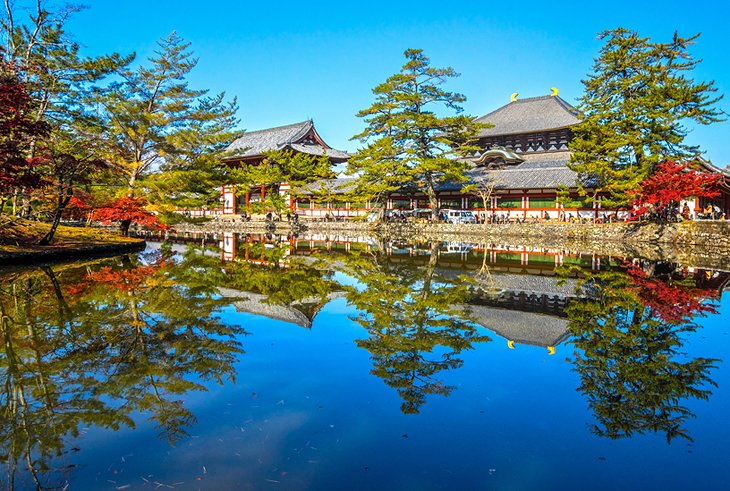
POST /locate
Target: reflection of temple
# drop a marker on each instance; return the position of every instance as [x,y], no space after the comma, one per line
[301,313]
[238,246]
[522,327]
[524,308]
[515,294]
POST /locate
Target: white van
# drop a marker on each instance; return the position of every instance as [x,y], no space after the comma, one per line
[458,216]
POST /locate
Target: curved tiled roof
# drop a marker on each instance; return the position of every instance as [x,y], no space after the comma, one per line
[530,115]
[539,171]
[521,327]
[256,143]
[337,185]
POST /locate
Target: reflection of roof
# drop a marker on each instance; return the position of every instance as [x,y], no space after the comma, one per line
[521,327]
[530,115]
[529,283]
[547,285]
[301,137]
[301,313]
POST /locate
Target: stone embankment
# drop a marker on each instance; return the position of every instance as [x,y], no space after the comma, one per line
[703,243]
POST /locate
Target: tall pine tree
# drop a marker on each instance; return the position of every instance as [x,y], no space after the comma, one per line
[155,121]
[407,142]
[636,104]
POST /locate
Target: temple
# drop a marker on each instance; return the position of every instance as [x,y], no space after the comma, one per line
[522,164]
[254,146]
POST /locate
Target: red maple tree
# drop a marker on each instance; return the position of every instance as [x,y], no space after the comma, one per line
[18,128]
[670,183]
[126,211]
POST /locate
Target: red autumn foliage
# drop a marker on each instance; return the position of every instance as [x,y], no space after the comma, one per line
[128,209]
[78,202]
[671,300]
[18,128]
[78,206]
[671,183]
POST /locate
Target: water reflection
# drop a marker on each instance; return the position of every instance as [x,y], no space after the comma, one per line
[91,344]
[629,332]
[101,343]
[415,323]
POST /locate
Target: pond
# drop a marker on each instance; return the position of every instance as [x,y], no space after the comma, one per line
[251,362]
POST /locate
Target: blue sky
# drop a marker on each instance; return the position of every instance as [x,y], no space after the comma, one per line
[290,61]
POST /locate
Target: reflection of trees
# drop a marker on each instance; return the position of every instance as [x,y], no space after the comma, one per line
[89,345]
[629,336]
[415,329]
[284,280]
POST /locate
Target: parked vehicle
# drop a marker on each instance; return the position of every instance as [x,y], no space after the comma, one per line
[458,216]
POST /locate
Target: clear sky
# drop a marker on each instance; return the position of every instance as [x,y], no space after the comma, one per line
[290,61]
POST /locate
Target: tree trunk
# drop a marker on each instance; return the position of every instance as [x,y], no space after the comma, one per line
[432,199]
[63,199]
[124,226]
[26,210]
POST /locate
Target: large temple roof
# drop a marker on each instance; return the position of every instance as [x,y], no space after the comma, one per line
[301,137]
[534,114]
[538,171]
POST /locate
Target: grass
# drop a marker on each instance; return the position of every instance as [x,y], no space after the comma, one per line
[20,236]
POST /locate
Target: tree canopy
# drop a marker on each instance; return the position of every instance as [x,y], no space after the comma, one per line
[637,105]
[407,141]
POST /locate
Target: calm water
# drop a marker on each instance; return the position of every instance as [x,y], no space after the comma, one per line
[353,364]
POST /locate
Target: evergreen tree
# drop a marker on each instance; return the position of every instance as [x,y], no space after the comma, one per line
[154,121]
[635,107]
[407,142]
[281,166]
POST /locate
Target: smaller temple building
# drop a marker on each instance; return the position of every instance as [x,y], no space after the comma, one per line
[253,147]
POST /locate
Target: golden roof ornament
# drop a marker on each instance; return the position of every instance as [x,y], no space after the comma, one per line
[554,91]
[513,97]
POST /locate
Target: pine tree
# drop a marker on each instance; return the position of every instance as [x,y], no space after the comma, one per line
[281,166]
[155,121]
[635,107]
[406,141]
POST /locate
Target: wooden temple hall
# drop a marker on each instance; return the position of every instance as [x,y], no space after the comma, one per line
[524,156]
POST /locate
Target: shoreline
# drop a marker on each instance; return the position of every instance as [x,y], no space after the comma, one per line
[70,253]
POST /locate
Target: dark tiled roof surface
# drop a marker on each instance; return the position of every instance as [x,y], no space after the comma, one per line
[255,143]
[539,171]
[530,115]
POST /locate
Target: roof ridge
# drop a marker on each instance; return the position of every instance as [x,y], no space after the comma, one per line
[536,98]
[278,127]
